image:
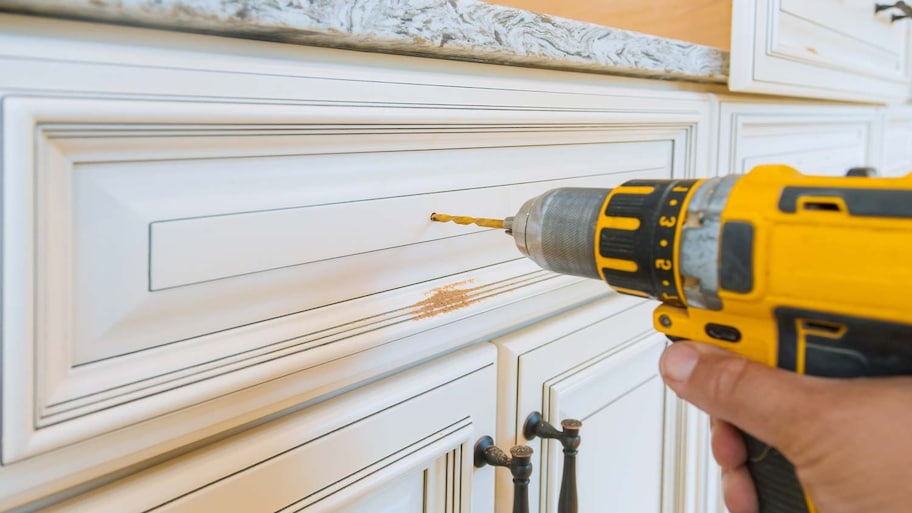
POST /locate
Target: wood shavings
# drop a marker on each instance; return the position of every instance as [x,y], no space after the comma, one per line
[446,299]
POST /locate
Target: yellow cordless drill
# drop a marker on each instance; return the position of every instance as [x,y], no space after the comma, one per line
[805,273]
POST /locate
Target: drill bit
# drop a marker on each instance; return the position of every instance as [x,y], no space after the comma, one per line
[478,221]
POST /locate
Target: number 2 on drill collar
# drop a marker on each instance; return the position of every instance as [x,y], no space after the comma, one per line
[663,264]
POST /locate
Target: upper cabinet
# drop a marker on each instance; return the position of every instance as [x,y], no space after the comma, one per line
[837,49]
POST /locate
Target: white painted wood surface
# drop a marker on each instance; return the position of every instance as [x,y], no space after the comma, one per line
[896,141]
[621,400]
[813,138]
[152,326]
[105,369]
[173,269]
[834,49]
[641,448]
[351,453]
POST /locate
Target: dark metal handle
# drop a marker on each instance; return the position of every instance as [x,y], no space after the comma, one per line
[569,438]
[519,462]
[902,6]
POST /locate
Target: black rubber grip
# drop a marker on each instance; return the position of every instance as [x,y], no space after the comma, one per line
[778,488]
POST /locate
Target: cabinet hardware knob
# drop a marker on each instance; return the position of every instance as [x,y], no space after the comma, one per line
[902,6]
[519,462]
[569,438]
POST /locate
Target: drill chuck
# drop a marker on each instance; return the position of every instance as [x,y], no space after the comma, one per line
[557,229]
[626,236]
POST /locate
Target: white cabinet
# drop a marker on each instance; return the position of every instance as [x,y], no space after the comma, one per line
[352,453]
[598,364]
[203,236]
[813,138]
[201,232]
[838,49]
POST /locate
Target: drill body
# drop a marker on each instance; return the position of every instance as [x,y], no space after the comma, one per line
[806,273]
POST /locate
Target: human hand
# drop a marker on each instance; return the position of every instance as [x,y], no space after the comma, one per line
[849,439]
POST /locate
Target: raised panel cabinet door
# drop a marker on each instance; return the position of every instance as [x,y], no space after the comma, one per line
[403,444]
[813,138]
[835,49]
[896,141]
[621,401]
[641,447]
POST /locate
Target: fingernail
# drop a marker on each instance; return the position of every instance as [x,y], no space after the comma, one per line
[678,362]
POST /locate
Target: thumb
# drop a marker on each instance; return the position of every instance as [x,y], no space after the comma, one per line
[772,404]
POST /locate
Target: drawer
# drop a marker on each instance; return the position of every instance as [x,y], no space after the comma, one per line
[819,48]
[403,444]
[814,139]
[184,267]
[598,364]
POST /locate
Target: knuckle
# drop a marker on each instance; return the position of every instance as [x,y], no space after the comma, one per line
[727,381]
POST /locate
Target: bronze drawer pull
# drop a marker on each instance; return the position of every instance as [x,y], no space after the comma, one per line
[519,462]
[569,437]
[902,6]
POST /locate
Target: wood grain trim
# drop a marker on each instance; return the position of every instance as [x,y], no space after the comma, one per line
[705,22]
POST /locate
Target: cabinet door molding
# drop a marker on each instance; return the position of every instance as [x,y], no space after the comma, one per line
[896,141]
[351,453]
[819,48]
[813,138]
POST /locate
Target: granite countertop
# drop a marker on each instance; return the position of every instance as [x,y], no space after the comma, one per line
[456,29]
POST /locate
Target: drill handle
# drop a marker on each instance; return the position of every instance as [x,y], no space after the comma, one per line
[778,488]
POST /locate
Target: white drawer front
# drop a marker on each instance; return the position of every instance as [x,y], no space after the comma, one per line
[402,444]
[820,140]
[819,48]
[179,243]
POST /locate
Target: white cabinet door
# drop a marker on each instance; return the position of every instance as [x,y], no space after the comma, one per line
[896,141]
[403,444]
[837,49]
[813,138]
[599,364]
[621,401]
